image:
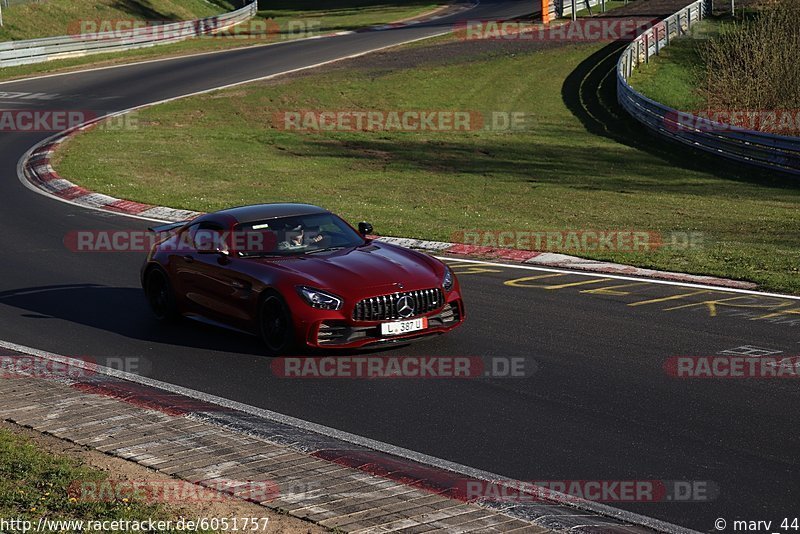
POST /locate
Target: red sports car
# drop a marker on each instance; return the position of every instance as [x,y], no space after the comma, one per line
[298,276]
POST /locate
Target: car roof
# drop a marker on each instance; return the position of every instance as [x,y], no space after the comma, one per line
[259,212]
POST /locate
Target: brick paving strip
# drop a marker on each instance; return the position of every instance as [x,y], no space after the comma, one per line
[328,477]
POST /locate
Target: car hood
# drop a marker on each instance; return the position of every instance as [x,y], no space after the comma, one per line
[363,269]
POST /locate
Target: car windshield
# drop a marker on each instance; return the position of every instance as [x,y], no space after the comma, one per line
[295,236]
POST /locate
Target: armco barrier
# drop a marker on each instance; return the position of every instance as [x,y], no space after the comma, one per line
[762,149]
[50,48]
[555,9]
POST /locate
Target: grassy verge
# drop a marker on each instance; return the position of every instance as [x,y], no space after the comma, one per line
[61,17]
[35,484]
[277,20]
[223,149]
[673,77]
[596,10]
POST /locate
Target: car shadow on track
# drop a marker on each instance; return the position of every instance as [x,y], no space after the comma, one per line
[124,311]
[590,93]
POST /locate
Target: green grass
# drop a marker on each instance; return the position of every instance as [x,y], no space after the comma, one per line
[222,149]
[610,6]
[61,17]
[35,484]
[675,75]
[283,20]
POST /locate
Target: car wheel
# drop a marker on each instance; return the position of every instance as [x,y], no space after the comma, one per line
[160,296]
[275,322]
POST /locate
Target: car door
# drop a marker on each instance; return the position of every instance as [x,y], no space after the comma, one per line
[219,288]
[193,266]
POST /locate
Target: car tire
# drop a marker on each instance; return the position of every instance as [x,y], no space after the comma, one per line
[275,324]
[160,296]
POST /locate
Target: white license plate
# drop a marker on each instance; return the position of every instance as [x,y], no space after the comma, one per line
[403,327]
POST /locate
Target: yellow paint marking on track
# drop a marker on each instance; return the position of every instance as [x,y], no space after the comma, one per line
[472,269]
[583,283]
[519,282]
[712,304]
[673,297]
[613,290]
[793,311]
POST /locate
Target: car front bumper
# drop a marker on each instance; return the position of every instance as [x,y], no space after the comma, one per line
[336,331]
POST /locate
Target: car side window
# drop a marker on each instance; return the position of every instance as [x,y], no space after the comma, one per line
[207,236]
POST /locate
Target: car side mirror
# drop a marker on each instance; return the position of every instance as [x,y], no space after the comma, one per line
[364,228]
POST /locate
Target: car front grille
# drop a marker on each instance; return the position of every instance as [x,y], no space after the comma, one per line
[385,307]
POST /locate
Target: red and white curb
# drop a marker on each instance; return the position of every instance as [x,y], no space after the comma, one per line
[40,173]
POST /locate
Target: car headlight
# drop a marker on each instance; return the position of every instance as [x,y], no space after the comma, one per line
[319,299]
[449,279]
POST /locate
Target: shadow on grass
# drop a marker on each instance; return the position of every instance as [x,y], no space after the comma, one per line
[518,159]
[336,5]
[143,10]
[590,93]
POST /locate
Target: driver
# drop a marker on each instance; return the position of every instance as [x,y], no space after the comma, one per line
[296,239]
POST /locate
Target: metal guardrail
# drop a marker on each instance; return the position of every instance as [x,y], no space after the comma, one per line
[49,48]
[563,8]
[762,149]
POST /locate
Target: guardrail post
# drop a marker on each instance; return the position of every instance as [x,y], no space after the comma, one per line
[667,24]
[657,36]
[646,48]
[630,63]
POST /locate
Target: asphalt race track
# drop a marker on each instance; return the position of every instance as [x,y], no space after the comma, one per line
[598,407]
